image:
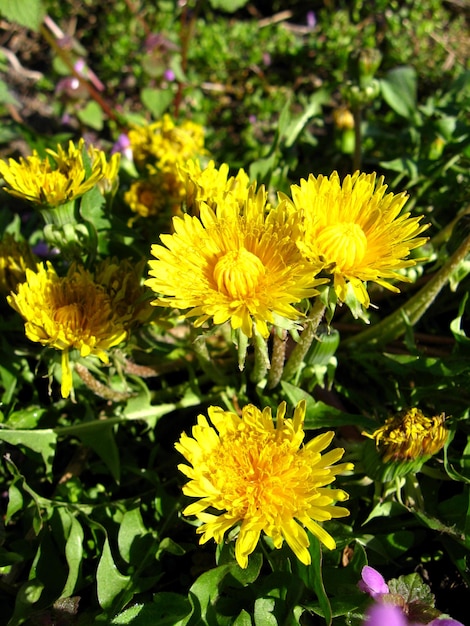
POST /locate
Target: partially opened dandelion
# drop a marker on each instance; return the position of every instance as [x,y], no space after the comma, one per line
[15,258]
[251,471]
[67,313]
[356,230]
[237,264]
[59,177]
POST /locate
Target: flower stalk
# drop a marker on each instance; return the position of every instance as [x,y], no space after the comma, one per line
[306,338]
[278,358]
[262,364]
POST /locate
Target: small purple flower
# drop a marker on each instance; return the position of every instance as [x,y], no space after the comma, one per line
[311,20]
[80,67]
[169,75]
[123,145]
[41,249]
[445,621]
[385,615]
[372,582]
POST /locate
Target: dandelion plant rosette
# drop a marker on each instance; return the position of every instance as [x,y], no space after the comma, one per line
[258,474]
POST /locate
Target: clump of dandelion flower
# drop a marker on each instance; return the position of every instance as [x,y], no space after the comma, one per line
[259,474]
[68,313]
[356,229]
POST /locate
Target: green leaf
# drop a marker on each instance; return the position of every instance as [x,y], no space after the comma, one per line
[25,419]
[167,609]
[314,579]
[9,558]
[134,539]
[313,108]
[28,13]
[110,582]
[91,115]
[5,96]
[73,534]
[156,101]
[263,612]
[399,90]
[28,594]
[229,6]
[412,588]
[205,591]
[243,619]
[321,415]
[100,438]
[42,442]
[15,502]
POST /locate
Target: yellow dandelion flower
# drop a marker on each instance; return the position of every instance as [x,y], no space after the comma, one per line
[66,313]
[356,229]
[259,474]
[56,180]
[410,435]
[15,258]
[212,185]
[122,280]
[145,198]
[166,143]
[233,264]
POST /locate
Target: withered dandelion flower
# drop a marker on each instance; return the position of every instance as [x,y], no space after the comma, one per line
[410,435]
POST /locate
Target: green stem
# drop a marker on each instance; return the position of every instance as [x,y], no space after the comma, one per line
[306,338]
[261,364]
[410,313]
[206,362]
[278,358]
[357,156]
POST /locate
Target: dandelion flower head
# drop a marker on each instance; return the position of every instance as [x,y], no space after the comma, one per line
[212,185]
[122,280]
[60,177]
[410,435]
[15,258]
[66,313]
[233,264]
[148,197]
[258,473]
[356,229]
[165,143]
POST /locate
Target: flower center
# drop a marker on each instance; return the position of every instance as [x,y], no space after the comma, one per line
[70,315]
[238,273]
[344,244]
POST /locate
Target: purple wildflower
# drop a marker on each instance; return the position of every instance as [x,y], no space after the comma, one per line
[372,582]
